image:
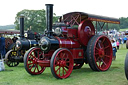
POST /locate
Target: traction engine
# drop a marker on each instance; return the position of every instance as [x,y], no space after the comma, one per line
[16,54]
[69,44]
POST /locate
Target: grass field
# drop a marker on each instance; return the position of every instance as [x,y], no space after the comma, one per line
[84,76]
[124,29]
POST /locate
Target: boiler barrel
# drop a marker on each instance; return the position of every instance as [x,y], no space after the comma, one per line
[26,44]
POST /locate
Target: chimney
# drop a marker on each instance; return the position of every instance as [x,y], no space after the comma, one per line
[49,18]
[21,26]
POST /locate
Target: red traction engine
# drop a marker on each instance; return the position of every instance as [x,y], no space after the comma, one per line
[69,44]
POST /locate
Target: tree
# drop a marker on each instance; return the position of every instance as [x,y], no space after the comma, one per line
[34,18]
[123,22]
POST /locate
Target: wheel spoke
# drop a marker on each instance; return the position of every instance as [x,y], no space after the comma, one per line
[35,68]
[107,56]
[99,63]
[97,48]
[63,56]
[106,47]
[97,59]
[58,69]
[99,45]
[30,59]
[30,63]
[63,71]
[31,66]
[32,56]
[103,40]
[66,58]
[38,68]
[103,62]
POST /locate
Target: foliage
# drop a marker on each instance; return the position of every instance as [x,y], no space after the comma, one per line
[34,18]
[106,26]
[125,29]
[114,26]
[84,76]
[123,22]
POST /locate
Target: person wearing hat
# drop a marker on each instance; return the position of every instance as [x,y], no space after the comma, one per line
[2,45]
[114,49]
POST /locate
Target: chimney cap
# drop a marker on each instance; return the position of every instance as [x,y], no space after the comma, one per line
[21,15]
[49,4]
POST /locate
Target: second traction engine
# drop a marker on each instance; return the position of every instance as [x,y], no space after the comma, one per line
[67,45]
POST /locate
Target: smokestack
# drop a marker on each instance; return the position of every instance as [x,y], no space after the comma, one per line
[49,17]
[21,26]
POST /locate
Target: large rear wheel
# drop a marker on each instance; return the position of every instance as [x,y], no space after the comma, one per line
[99,53]
[61,63]
[126,66]
[30,61]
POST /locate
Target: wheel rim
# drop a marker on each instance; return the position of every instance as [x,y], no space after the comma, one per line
[62,64]
[103,53]
[9,59]
[32,66]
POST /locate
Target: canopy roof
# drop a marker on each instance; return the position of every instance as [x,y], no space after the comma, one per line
[2,31]
[79,16]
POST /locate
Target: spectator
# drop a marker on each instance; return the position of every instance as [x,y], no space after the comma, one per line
[117,43]
[114,49]
[30,34]
[2,45]
[14,39]
[125,39]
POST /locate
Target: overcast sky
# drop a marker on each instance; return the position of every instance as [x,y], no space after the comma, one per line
[110,8]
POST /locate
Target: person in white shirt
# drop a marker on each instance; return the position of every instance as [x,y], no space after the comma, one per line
[114,49]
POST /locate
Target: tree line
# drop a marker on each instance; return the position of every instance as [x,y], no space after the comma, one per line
[37,21]
[33,18]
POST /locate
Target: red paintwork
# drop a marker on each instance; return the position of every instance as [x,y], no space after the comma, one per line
[64,30]
[44,63]
[68,43]
[85,31]
[72,32]
[77,53]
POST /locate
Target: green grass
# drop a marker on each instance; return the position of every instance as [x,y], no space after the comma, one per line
[84,76]
[124,29]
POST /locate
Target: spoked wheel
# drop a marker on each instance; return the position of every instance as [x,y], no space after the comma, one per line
[126,66]
[61,63]
[127,44]
[30,61]
[10,58]
[78,65]
[99,53]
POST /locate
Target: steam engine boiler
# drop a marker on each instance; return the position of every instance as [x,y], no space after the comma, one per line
[69,44]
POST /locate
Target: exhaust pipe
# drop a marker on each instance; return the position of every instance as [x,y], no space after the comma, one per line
[49,18]
[21,26]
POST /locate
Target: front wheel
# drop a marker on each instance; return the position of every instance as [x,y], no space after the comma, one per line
[61,63]
[30,61]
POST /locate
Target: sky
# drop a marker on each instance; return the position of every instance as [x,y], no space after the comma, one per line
[109,8]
